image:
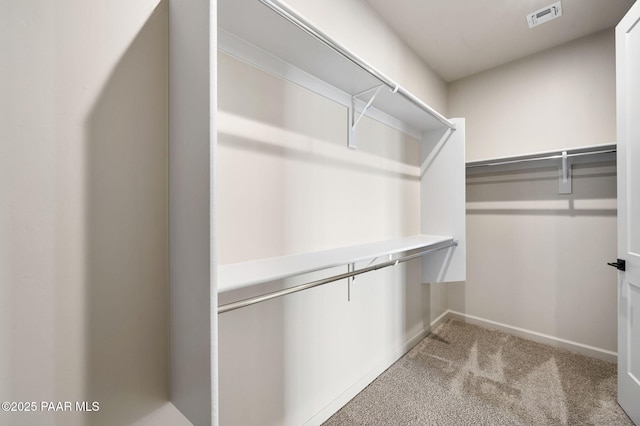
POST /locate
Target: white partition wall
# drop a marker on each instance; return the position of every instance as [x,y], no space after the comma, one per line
[191,150]
[442,201]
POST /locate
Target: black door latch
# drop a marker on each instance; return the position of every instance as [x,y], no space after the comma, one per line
[620,265]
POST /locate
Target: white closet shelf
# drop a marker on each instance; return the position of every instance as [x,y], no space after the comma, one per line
[288,45]
[562,158]
[588,154]
[244,274]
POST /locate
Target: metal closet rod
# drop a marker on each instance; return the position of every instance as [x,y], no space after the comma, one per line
[544,157]
[291,16]
[262,298]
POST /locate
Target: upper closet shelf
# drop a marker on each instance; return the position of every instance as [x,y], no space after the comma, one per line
[563,159]
[238,275]
[590,154]
[272,36]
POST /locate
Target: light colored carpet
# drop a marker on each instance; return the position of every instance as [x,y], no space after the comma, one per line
[463,374]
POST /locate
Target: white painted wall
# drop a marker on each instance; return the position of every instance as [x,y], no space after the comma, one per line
[560,98]
[287,182]
[536,259]
[83,217]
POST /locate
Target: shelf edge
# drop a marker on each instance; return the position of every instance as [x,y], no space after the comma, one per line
[235,276]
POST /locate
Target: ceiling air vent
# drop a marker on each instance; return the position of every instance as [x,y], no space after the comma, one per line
[544,15]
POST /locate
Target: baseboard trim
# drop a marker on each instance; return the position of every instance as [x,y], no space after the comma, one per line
[436,322]
[365,380]
[554,341]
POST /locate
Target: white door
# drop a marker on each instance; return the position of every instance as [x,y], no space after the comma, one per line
[628,126]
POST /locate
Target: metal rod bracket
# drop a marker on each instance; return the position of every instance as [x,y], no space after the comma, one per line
[565,175]
[350,280]
[353,120]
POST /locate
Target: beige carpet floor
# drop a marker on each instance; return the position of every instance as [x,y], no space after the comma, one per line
[463,374]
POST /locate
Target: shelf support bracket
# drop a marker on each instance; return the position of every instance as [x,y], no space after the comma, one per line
[565,175]
[350,269]
[353,120]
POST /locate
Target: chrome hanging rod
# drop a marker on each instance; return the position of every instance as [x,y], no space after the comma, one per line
[262,298]
[489,163]
[290,15]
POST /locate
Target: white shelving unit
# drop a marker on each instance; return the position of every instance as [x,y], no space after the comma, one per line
[382,254]
[590,154]
[244,274]
[275,38]
[563,159]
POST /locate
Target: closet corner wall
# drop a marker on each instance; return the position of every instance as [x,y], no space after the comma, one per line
[537,263]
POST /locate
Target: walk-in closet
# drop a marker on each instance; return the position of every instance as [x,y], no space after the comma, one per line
[367,203]
[336,212]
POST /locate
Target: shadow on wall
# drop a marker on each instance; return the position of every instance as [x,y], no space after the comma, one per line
[127,233]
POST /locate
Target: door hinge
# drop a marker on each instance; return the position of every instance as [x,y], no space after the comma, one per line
[620,265]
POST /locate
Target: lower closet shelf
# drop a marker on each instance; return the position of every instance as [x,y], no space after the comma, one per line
[247,274]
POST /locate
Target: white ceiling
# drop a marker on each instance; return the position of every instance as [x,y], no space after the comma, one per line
[458,38]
